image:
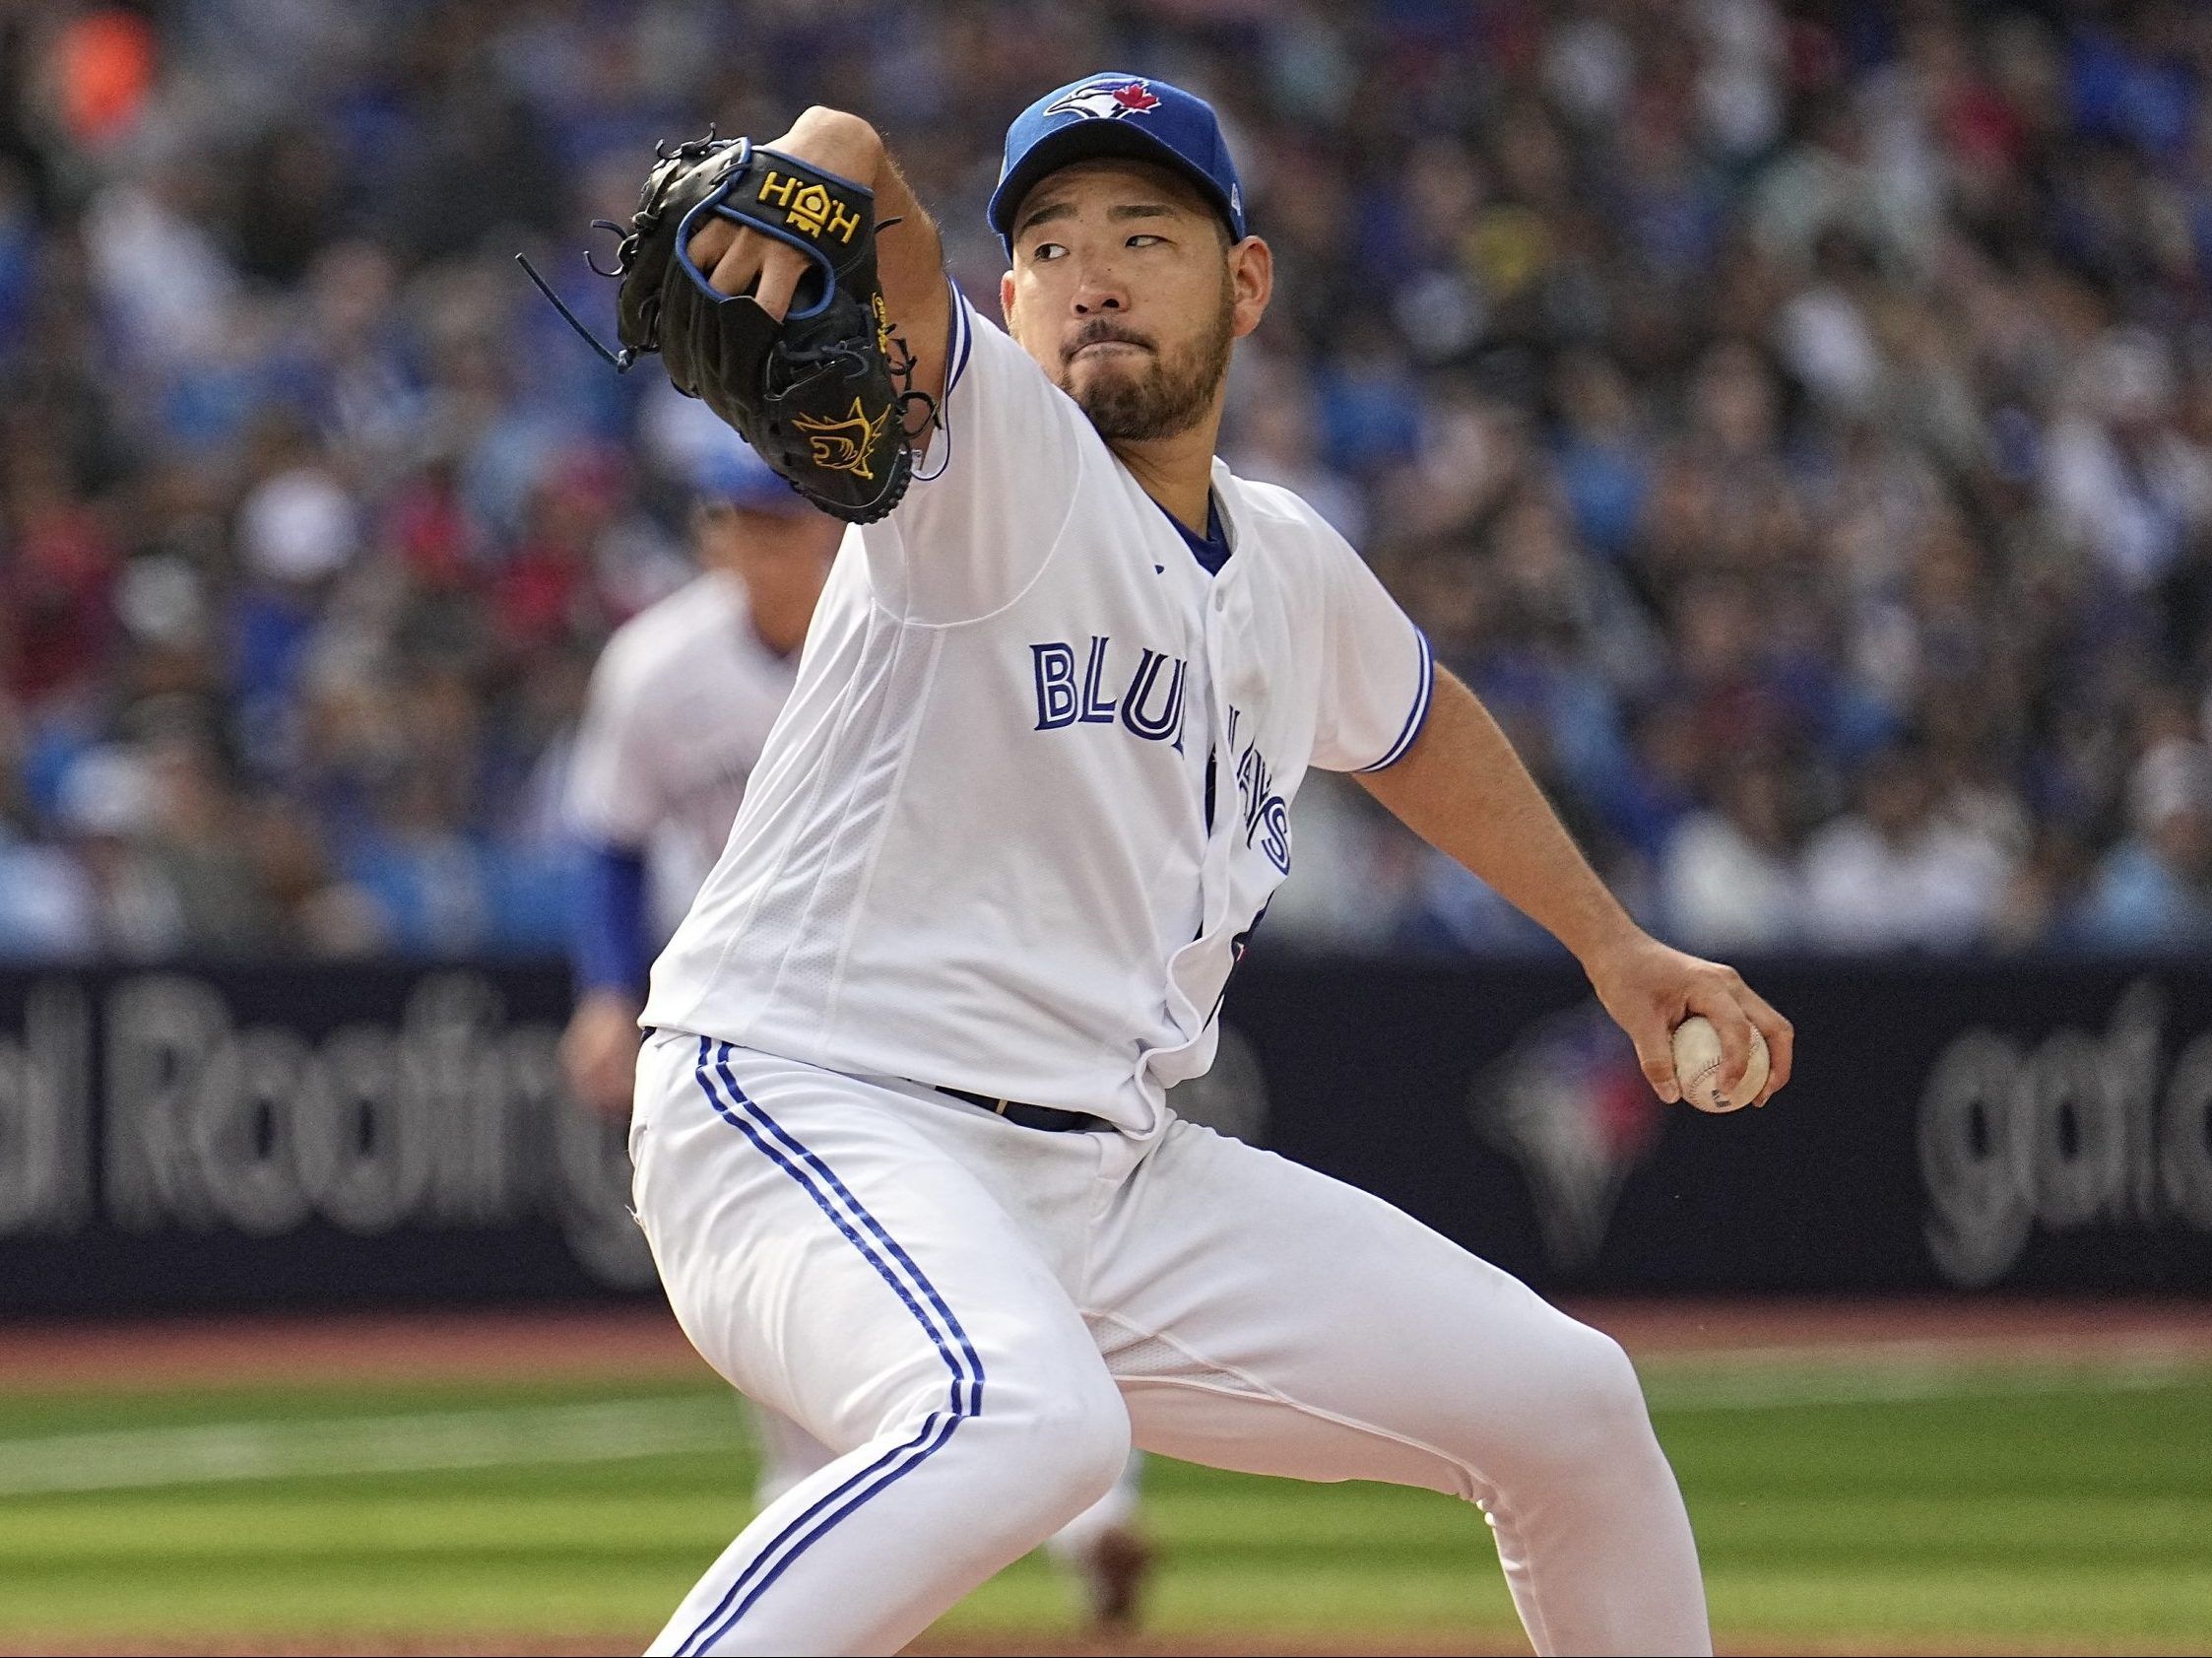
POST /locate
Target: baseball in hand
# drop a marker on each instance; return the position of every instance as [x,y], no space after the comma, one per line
[1697,1066]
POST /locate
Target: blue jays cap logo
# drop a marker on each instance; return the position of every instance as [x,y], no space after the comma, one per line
[1117,113]
[1106,101]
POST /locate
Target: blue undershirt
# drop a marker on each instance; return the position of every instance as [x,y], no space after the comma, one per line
[1212,549]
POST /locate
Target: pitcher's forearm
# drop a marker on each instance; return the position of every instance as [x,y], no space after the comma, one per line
[1464,790]
[824,136]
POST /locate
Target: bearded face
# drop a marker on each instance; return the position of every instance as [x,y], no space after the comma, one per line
[1127,290]
[1136,388]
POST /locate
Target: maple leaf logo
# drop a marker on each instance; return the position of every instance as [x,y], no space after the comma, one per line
[1107,101]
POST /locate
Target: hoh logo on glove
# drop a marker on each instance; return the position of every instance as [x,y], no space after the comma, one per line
[845,445]
[808,205]
[1109,101]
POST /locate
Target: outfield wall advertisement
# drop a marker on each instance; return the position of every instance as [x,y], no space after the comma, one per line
[295,1136]
[285,1137]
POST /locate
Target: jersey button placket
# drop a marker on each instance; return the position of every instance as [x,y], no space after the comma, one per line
[1214,878]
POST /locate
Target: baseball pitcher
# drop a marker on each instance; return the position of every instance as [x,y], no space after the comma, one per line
[681,706]
[901,1141]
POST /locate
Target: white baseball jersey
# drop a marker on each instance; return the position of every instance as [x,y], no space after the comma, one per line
[1030,793]
[681,706]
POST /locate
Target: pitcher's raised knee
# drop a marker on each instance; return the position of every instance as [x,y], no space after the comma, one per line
[1058,1449]
[1593,1402]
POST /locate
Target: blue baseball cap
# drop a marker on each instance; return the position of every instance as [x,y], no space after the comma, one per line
[1114,114]
[729,473]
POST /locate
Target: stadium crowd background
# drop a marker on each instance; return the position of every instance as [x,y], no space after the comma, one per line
[1796,421]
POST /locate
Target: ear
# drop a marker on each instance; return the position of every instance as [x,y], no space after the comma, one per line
[1005,300]
[1252,283]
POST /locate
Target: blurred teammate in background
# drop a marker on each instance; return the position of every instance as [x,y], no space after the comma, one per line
[680,706]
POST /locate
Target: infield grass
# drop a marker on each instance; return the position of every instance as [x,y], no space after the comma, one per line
[1983,1509]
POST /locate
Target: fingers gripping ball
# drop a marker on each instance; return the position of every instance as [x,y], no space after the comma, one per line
[1698,1064]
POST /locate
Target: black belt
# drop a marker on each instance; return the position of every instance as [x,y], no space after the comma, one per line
[1050,1118]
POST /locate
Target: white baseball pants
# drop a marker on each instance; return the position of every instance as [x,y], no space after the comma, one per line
[790,1454]
[979,1319]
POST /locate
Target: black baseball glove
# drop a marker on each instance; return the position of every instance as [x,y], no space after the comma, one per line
[823,395]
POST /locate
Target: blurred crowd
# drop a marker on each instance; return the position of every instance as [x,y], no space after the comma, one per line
[1794,420]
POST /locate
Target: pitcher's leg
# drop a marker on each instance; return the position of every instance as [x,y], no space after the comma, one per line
[1263,1317]
[843,1271]
[1115,1512]
[788,1454]
[1103,1549]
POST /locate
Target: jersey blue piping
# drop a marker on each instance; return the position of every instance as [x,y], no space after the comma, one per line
[935,1430]
[960,337]
[967,341]
[1420,714]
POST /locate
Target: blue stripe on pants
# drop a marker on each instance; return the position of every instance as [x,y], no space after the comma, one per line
[935,1430]
[890,1246]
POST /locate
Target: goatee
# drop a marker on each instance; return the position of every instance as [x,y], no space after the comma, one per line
[1170,395]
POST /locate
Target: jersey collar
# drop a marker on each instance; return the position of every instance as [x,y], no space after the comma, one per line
[1212,550]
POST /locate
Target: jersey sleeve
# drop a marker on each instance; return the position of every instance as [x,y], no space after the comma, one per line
[614,798]
[990,496]
[1378,675]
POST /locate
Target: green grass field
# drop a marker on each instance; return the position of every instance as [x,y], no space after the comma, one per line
[1908,1509]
